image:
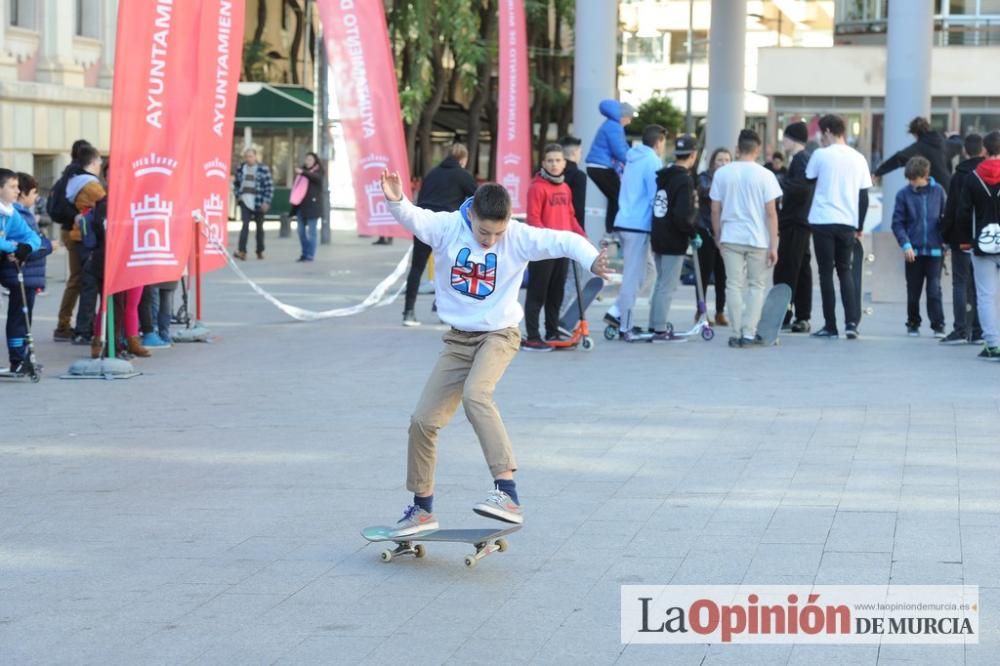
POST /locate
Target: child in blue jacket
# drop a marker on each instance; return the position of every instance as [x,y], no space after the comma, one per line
[18,243]
[916,222]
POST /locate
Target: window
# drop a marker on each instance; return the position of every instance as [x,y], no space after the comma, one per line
[88,18]
[861,10]
[678,46]
[989,7]
[643,50]
[22,13]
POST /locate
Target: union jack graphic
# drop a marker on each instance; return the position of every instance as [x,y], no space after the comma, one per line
[472,278]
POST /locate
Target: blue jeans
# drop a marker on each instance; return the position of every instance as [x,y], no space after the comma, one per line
[307,236]
[161,306]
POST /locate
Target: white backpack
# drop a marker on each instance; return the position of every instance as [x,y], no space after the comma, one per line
[987,238]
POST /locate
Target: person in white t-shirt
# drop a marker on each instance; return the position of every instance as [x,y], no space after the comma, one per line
[837,215]
[745,220]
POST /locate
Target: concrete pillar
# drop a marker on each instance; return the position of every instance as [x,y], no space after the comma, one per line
[907,83]
[8,64]
[727,39]
[56,64]
[109,29]
[594,78]
[865,140]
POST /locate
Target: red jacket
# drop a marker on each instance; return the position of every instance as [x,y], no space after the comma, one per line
[551,206]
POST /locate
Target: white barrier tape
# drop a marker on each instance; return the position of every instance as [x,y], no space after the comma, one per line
[375,299]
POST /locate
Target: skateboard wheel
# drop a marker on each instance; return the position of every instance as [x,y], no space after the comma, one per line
[707,334]
[610,332]
[501,545]
[470,561]
[870,258]
[419,551]
[586,344]
[869,311]
[386,555]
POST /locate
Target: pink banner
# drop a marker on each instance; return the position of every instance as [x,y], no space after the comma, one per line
[149,213]
[219,53]
[364,81]
[514,109]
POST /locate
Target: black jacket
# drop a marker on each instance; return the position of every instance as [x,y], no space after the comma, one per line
[705,201]
[675,211]
[796,193]
[312,206]
[978,206]
[930,146]
[577,181]
[962,173]
[446,186]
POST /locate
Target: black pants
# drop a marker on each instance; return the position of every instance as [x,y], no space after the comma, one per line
[709,262]
[418,262]
[794,268]
[546,285]
[834,247]
[609,183]
[90,288]
[963,293]
[17,326]
[258,217]
[918,271]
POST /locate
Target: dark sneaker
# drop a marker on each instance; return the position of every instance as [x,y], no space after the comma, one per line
[80,340]
[260,254]
[612,320]
[939,333]
[499,506]
[977,339]
[241,255]
[801,326]
[830,334]
[852,332]
[954,338]
[913,332]
[410,319]
[735,341]
[990,353]
[415,521]
[756,341]
[62,335]
[535,345]
[556,337]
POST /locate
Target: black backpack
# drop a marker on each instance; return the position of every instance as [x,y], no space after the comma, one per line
[60,210]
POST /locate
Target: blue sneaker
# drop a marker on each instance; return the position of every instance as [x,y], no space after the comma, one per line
[154,341]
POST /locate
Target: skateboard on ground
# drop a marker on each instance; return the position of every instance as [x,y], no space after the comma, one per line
[486,541]
[773,313]
[857,271]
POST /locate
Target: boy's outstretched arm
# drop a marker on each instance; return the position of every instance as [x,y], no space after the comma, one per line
[424,224]
[538,244]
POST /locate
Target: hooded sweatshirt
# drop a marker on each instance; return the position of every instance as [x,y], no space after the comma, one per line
[14,230]
[479,292]
[963,171]
[446,186]
[675,211]
[979,210]
[916,219]
[929,146]
[610,147]
[635,199]
[34,267]
[550,206]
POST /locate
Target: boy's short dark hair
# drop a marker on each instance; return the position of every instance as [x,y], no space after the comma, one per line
[553,148]
[778,156]
[26,182]
[917,167]
[973,144]
[651,134]
[570,141]
[87,154]
[834,124]
[5,175]
[491,202]
[747,142]
[74,152]
[919,126]
[991,142]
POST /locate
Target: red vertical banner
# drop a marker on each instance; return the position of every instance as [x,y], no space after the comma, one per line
[364,80]
[149,213]
[513,106]
[220,48]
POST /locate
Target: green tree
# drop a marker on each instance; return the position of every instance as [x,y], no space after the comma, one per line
[550,59]
[657,111]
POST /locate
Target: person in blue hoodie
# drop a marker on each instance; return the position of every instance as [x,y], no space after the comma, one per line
[607,156]
[634,220]
[18,243]
[916,222]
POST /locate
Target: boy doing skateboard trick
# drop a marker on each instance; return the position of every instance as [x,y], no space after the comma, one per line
[477,297]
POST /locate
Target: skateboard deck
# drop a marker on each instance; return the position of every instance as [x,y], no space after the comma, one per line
[773,313]
[486,541]
[590,291]
[857,270]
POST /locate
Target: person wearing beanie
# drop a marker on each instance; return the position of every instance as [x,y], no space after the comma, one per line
[607,156]
[794,266]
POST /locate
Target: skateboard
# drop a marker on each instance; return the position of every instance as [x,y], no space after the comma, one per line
[857,271]
[486,541]
[589,293]
[773,313]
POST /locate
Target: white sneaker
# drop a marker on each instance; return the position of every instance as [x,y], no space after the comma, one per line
[415,521]
[500,506]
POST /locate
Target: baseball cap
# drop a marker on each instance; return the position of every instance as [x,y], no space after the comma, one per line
[626,110]
[684,145]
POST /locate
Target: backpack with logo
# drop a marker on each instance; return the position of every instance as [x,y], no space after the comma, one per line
[988,237]
[60,209]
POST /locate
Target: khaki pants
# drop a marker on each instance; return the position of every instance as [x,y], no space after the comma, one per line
[467,371]
[72,291]
[746,269]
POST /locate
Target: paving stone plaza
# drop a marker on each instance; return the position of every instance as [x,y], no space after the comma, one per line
[209,510]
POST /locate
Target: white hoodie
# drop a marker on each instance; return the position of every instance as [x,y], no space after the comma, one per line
[476,288]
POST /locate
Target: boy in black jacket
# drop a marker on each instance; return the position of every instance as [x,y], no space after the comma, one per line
[794,266]
[963,283]
[675,210]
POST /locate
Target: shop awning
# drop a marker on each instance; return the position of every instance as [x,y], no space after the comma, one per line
[268,105]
